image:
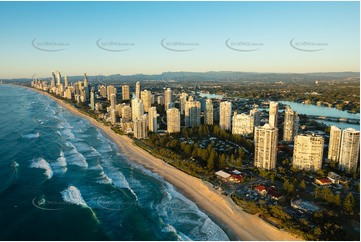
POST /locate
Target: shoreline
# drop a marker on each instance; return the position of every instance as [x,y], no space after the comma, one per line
[237,224]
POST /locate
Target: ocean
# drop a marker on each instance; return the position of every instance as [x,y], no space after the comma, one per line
[62,179]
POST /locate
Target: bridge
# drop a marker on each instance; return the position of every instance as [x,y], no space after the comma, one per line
[335,119]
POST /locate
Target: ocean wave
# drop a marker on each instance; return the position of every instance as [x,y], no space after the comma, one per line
[31,136]
[42,164]
[74,157]
[68,134]
[103,179]
[73,195]
[60,165]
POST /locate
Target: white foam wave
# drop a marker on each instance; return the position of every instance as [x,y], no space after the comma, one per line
[42,164]
[67,133]
[74,157]
[31,136]
[104,179]
[73,195]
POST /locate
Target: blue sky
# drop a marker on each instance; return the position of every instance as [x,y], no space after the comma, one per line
[330,28]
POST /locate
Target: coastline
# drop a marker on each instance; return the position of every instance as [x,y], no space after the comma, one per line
[230,217]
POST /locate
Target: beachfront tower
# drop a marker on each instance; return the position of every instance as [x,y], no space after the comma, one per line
[334,144]
[349,152]
[308,152]
[290,127]
[125,93]
[225,115]
[265,144]
[173,120]
[273,114]
[208,113]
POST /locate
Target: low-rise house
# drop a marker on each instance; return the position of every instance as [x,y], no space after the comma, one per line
[323,181]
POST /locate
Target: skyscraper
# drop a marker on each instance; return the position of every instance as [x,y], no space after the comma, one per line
[126,114]
[137,109]
[113,116]
[273,113]
[265,144]
[241,124]
[183,100]
[160,100]
[66,82]
[349,152]
[225,115]
[308,152]
[334,144]
[137,90]
[290,127]
[58,78]
[113,101]
[103,91]
[208,114]
[168,98]
[52,82]
[125,92]
[255,118]
[85,80]
[140,128]
[152,116]
[147,98]
[173,120]
[92,99]
[192,113]
[111,89]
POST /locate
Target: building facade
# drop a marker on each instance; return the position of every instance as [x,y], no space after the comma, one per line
[308,152]
[290,127]
[173,120]
[334,144]
[349,151]
[265,143]
[225,115]
[208,113]
[192,113]
[273,114]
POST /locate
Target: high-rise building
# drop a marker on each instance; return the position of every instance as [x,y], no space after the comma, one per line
[66,82]
[290,127]
[103,91]
[58,78]
[147,98]
[173,120]
[137,90]
[152,117]
[137,109]
[168,98]
[308,152]
[265,144]
[92,99]
[241,124]
[183,100]
[113,101]
[334,144]
[273,113]
[126,114]
[85,80]
[349,152]
[111,89]
[119,109]
[140,128]
[52,82]
[113,116]
[225,115]
[160,100]
[255,118]
[125,92]
[208,113]
[192,113]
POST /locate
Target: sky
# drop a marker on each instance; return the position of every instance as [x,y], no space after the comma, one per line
[154,37]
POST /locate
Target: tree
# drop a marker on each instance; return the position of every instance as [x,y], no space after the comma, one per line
[291,188]
[348,203]
[222,161]
[211,162]
[285,185]
[317,192]
[337,200]
[302,185]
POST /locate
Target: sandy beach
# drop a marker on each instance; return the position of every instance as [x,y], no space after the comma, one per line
[230,217]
